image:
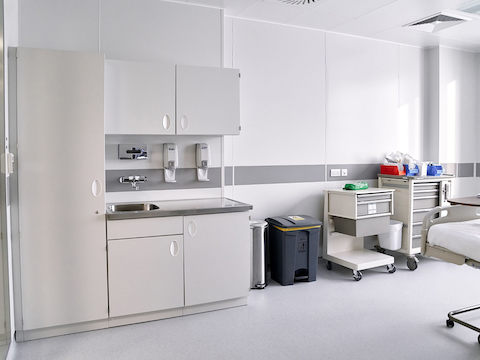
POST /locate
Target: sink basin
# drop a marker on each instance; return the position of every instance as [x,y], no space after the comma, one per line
[132,207]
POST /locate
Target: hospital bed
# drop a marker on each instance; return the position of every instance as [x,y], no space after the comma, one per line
[452,234]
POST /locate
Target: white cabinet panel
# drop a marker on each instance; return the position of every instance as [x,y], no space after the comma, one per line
[61,150]
[152,30]
[208,101]
[145,274]
[217,257]
[139,98]
[62,25]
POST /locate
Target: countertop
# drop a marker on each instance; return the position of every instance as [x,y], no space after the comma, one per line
[179,208]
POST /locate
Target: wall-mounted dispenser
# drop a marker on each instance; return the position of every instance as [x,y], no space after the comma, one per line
[132,152]
[203,161]
[170,161]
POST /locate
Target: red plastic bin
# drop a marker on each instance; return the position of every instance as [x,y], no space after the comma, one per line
[391,170]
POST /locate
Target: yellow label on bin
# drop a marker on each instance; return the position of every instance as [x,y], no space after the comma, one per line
[296,218]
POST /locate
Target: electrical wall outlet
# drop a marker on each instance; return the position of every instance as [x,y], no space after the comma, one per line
[334,172]
[344,172]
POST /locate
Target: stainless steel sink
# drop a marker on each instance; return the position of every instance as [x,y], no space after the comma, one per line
[132,207]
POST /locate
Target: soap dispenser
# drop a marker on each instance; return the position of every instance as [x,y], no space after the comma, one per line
[203,161]
[170,161]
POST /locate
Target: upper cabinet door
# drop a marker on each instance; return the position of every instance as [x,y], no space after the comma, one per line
[208,101]
[139,98]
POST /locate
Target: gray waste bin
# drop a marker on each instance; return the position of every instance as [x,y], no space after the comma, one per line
[258,267]
[293,242]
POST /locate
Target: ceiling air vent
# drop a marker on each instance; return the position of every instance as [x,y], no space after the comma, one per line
[437,22]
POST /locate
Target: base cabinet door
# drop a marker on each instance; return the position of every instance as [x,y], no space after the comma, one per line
[217,257]
[145,274]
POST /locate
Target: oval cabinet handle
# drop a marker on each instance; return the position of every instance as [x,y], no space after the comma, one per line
[184,122]
[166,122]
[174,248]
[192,228]
[96,188]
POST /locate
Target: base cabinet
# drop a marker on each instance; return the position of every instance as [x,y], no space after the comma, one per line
[164,263]
[145,274]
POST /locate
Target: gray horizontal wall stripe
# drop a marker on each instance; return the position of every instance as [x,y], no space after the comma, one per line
[257,175]
[228,175]
[465,170]
[186,179]
[250,175]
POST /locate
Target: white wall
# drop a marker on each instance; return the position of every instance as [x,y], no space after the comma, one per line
[310,97]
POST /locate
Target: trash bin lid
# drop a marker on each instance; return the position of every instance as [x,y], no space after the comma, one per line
[258,224]
[294,222]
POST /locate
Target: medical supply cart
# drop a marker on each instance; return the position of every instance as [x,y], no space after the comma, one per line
[349,216]
[413,198]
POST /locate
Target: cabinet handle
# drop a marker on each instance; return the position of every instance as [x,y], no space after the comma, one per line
[174,248]
[192,228]
[166,122]
[184,122]
[96,188]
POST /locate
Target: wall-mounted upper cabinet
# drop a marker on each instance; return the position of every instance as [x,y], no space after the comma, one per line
[139,98]
[208,101]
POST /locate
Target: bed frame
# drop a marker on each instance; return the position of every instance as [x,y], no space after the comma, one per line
[443,215]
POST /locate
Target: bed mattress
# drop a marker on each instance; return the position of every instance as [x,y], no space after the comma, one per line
[459,237]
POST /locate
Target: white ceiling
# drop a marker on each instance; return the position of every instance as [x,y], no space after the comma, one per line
[376,19]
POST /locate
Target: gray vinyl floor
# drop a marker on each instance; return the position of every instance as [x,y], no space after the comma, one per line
[383,316]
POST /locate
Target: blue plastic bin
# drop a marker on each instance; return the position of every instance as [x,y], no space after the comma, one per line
[434,170]
[410,171]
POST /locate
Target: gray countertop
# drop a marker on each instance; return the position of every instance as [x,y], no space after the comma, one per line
[179,208]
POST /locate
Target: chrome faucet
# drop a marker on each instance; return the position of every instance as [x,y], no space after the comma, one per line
[133,179]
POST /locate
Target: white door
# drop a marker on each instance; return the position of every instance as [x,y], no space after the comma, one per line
[139,98]
[60,170]
[216,257]
[208,101]
[145,274]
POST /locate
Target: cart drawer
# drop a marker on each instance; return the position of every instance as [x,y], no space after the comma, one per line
[362,227]
[425,203]
[417,229]
[419,215]
[416,241]
[373,197]
[371,208]
[424,193]
[425,186]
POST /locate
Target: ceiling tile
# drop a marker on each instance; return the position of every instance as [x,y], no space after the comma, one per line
[350,8]
[266,11]
[318,20]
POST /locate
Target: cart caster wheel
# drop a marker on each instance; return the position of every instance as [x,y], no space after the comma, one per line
[412,263]
[391,268]
[329,265]
[479,339]
[357,275]
[450,323]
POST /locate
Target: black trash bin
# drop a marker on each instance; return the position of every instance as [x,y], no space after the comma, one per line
[293,242]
